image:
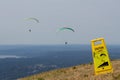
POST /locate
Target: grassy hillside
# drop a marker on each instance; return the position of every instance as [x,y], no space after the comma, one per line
[80,72]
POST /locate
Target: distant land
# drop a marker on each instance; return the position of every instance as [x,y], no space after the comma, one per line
[79,72]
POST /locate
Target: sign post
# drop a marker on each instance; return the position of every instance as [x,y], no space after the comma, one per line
[100,55]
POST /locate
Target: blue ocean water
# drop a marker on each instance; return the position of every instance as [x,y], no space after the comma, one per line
[18,61]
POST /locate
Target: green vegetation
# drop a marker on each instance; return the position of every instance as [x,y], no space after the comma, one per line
[74,67]
[40,79]
[90,63]
[116,77]
[85,75]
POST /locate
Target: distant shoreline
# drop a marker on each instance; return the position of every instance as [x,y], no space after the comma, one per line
[10,56]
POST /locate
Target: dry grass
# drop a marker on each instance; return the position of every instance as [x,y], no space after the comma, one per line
[80,72]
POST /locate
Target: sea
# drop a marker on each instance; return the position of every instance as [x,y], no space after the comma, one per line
[17,61]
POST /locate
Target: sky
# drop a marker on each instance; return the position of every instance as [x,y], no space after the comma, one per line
[89,18]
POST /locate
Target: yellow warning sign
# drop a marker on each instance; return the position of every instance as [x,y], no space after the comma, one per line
[100,55]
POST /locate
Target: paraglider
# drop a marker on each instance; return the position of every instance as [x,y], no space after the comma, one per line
[35,20]
[66,29]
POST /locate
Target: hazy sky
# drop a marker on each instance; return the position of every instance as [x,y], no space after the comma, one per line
[89,18]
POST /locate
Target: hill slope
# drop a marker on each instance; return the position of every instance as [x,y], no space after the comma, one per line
[80,72]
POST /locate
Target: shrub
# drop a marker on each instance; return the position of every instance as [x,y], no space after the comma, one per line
[91,63]
[74,67]
[41,79]
[85,75]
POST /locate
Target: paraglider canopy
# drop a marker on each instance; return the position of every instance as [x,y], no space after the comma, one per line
[67,28]
[34,19]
